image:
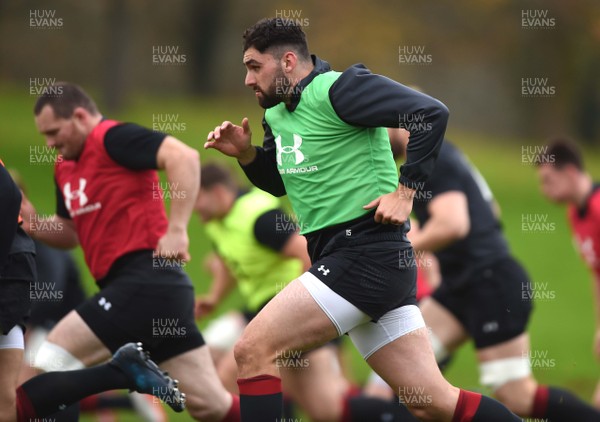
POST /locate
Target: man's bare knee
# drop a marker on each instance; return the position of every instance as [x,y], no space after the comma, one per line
[246,353]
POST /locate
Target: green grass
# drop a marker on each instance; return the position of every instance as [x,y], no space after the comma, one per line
[563,327]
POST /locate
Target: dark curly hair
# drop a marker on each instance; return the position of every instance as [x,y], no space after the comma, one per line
[562,152]
[276,34]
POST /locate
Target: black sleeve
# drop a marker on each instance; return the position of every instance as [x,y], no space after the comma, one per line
[61,208]
[10,205]
[263,172]
[362,98]
[273,229]
[446,177]
[133,146]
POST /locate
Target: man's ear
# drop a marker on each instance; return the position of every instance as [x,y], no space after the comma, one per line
[289,61]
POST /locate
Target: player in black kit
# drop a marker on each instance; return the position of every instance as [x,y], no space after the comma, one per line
[485,293]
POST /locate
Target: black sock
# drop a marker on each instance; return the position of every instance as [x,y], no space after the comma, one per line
[52,391]
[475,407]
[491,410]
[361,408]
[261,399]
[70,414]
[561,405]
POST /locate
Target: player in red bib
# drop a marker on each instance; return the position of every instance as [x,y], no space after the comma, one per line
[110,201]
[564,180]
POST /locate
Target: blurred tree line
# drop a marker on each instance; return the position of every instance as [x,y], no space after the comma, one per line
[476,54]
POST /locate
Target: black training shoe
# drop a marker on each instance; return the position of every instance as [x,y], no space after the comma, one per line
[146,376]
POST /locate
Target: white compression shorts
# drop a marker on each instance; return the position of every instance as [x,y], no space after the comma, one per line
[367,336]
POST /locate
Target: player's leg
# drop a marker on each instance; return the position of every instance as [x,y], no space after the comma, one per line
[498,321]
[228,372]
[315,382]
[11,355]
[445,330]
[71,344]
[292,321]
[206,398]
[506,368]
[130,368]
[220,335]
[406,362]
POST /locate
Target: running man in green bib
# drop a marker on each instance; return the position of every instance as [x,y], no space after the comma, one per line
[326,147]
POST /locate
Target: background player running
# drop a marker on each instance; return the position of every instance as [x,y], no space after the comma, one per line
[129,368]
[109,201]
[481,293]
[564,180]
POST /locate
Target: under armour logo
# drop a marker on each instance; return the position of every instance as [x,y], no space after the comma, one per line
[105,303]
[299,156]
[71,195]
[490,327]
[323,269]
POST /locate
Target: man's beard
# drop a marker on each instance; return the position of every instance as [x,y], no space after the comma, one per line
[275,93]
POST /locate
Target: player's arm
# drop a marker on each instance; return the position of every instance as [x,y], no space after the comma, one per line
[222,285]
[10,200]
[364,99]
[295,247]
[138,148]
[57,231]
[259,163]
[278,232]
[182,167]
[448,222]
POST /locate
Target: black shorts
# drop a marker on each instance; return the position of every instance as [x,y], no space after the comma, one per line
[493,303]
[18,274]
[374,277]
[138,302]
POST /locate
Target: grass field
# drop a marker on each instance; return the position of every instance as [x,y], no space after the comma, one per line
[562,326]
